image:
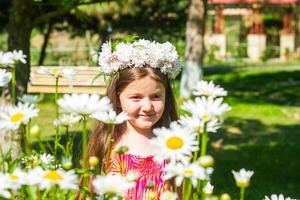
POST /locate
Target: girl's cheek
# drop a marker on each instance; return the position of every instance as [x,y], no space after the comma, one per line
[159,105]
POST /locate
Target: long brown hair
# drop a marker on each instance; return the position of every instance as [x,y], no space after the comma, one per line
[97,145]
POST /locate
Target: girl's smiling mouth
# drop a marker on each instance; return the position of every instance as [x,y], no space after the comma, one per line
[145,115]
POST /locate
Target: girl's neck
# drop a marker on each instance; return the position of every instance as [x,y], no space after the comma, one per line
[132,130]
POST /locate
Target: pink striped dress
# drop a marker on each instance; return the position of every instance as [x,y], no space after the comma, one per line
[149,171]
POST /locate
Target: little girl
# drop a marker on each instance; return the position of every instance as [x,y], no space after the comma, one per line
[142,89]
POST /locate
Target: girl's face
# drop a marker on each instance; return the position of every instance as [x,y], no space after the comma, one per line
[144,101]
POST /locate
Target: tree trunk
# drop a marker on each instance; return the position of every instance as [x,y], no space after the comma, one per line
[194,47]
[45,43]
[297,27]
[19,31]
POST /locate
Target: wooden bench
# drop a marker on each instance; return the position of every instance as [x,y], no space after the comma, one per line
[80,83]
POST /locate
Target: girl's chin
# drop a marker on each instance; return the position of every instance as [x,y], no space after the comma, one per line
[144,124]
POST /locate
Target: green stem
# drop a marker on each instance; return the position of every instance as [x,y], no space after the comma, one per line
[23,138]
[2,159]
[28,148]
[53,192]
[84,144]
[84,152]
[204,141]
[38,194]
[56,97]
[189,189]
[242,194]
[184,189]
[198,140]
[3,96]
[57,116]
[13,85]
[41,145]
[69,140]
[56,141]
[12,134]
[109,147]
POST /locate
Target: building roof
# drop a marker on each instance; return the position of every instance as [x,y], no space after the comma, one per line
[253,1]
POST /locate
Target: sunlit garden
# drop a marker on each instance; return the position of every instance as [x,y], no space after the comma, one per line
[234,70]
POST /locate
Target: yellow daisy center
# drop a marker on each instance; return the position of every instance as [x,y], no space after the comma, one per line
[14,177]
[54,71]
[205,117]
[17,117]
[174,142]
[188,172]
[53,176]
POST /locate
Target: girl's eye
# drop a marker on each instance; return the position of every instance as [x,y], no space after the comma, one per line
[135,97]
[156,97]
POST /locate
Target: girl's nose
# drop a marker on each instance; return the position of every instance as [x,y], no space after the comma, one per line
[147,105]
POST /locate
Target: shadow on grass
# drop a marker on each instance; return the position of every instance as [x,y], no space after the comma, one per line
[272,152]
[276,87]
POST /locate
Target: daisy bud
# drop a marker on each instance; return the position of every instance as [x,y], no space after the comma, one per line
[35,131]
[208,189]
[206,161]
[67,165]
[35,162]
[93,161]
[122,150]
[242,177]
[225,196]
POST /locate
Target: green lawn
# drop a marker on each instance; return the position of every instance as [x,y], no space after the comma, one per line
[260,133]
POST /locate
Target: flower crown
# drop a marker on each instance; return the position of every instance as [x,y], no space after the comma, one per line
[140,53]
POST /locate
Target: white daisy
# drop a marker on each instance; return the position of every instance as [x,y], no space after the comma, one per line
[277,197]
[205,88]
[31,99]
[5,185]
[34,175]
[206,108]
[84,104]
[196,124]
[112,185]
[14,116]
[167,195]
[5,77]
[192,171]
[47,178]
[111,117]
[57,72]
[141,53]
[17,178]
[18,56]
[242,177]
[67,120]
[6,59]
[208,188]
[46,159]
[175,144]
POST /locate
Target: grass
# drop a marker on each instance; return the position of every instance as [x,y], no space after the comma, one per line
[260,133]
